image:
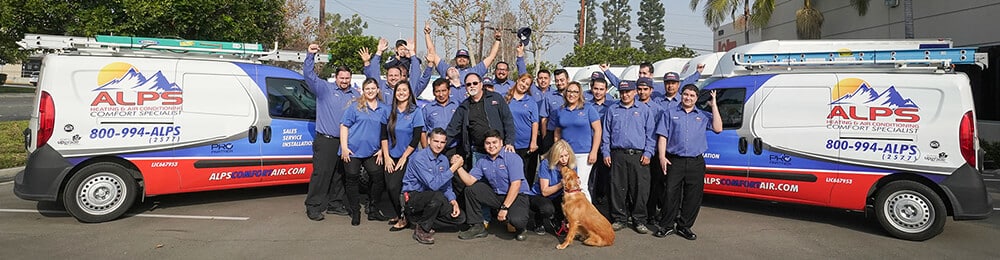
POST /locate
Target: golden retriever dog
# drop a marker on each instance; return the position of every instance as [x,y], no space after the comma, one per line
[581,216]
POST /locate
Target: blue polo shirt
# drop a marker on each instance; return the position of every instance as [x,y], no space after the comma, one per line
[374,70]
[405,122]
[654,107]
[437,115]
[553,175]
[428,172]
[457,93]
[665,102]
[364,128]
[628,128]
[589,96]
[552,101]
[331,100]
[685,131]
[524,112]
[418,80]
[575,125]
[480,68]
[500,172]
[603,107]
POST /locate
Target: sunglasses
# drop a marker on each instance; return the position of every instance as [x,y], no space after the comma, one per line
[469,84]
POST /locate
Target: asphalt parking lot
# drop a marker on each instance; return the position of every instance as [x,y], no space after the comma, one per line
[270,223]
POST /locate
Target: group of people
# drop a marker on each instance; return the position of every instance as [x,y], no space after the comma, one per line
[492,148]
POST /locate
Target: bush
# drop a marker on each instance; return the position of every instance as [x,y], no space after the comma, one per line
[12,153]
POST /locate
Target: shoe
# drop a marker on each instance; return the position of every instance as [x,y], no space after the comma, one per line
[376,215]
[422,236]
[355,217]
[641,229]
[664,232]
[476,231]
[511,228]
[338,211]
[520,236]
[686,233]
[540,230]
[617,226]
[393,221]
[395,228]
[314,215]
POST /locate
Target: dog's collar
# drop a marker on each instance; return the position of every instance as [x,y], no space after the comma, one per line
[572,191]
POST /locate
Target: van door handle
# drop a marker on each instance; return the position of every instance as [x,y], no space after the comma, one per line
[253,134]
[267,134]
[743,145]
[758,146]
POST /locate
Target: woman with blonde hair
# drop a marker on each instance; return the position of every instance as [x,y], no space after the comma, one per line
[546,194]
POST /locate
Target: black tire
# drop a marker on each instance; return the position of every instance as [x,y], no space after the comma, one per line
[909,210]
[100,192]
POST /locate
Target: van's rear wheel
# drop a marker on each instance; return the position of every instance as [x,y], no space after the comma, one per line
[100,192]
[910,210]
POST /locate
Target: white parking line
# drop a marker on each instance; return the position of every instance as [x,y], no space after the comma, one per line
[991,179]
[131,215]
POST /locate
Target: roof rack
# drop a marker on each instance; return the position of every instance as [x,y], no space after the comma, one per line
[935,59]
[125,45]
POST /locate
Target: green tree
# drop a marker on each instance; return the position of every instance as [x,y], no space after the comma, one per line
[344,51]
[616,23]
[228,20]
[651,23]
[590,21]
[743,14]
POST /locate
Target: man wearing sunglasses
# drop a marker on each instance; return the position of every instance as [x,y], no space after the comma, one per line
[480,112]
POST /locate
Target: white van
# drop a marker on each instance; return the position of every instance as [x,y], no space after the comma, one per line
[113,124]
[884,127]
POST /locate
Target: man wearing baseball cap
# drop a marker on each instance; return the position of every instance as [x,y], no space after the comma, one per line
[672,83]
[462,57]
[402,57]
[589,94]
[627,145]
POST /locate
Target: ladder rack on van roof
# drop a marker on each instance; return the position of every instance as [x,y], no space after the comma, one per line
[126,45]
[935,59]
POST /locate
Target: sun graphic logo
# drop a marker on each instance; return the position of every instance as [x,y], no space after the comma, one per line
[855,99]
[121,84]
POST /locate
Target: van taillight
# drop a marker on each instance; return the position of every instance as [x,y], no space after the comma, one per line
[46,119]
[967,138]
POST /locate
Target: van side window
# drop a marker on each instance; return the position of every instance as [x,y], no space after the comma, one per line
[289,98]
[730,101]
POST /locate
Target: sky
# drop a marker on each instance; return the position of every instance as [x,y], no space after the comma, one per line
[393,19]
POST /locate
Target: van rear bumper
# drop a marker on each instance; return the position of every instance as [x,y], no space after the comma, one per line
[42,175]
[967,192]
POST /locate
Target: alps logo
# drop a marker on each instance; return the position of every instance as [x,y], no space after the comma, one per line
[121,84]
[859,101]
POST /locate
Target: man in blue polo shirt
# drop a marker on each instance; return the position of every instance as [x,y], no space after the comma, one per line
[429,201]
[326,183]
[682,141]
[502,82]
[627,144]
[439,113]
[496,181]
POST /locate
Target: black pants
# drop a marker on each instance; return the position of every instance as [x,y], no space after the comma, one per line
[394,185]
[545,211]
[326,181]
[530,165]
[600,186]
[430,209]
[685,184]
[629,186]
[353,172]
[657,189]
[545,143]
[480,194]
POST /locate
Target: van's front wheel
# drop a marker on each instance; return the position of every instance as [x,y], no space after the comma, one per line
[910,210]
[100,192]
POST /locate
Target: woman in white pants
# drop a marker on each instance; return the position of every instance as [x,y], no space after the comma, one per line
[580,125]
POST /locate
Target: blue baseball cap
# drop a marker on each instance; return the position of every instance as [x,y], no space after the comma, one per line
[624,85]
[671,76]
[462,52]
[487,82]
[644,81]
[596,75]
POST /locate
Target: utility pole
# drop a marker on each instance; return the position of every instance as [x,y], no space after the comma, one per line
[583,21]
[322,19]
[414,26]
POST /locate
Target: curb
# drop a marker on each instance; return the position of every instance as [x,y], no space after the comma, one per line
[8,174]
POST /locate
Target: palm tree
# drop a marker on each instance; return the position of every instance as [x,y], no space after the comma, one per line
[809,21]
[718,11]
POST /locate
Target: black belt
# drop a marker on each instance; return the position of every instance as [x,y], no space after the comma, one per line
[327,136]
[628,151]
[670,155]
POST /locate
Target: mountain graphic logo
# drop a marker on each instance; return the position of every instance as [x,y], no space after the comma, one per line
[868,96]
[132,79]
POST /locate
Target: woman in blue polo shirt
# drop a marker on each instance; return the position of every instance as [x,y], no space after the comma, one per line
[524,110]
[361,132]
[581,124]
[404,127]
[546,193]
